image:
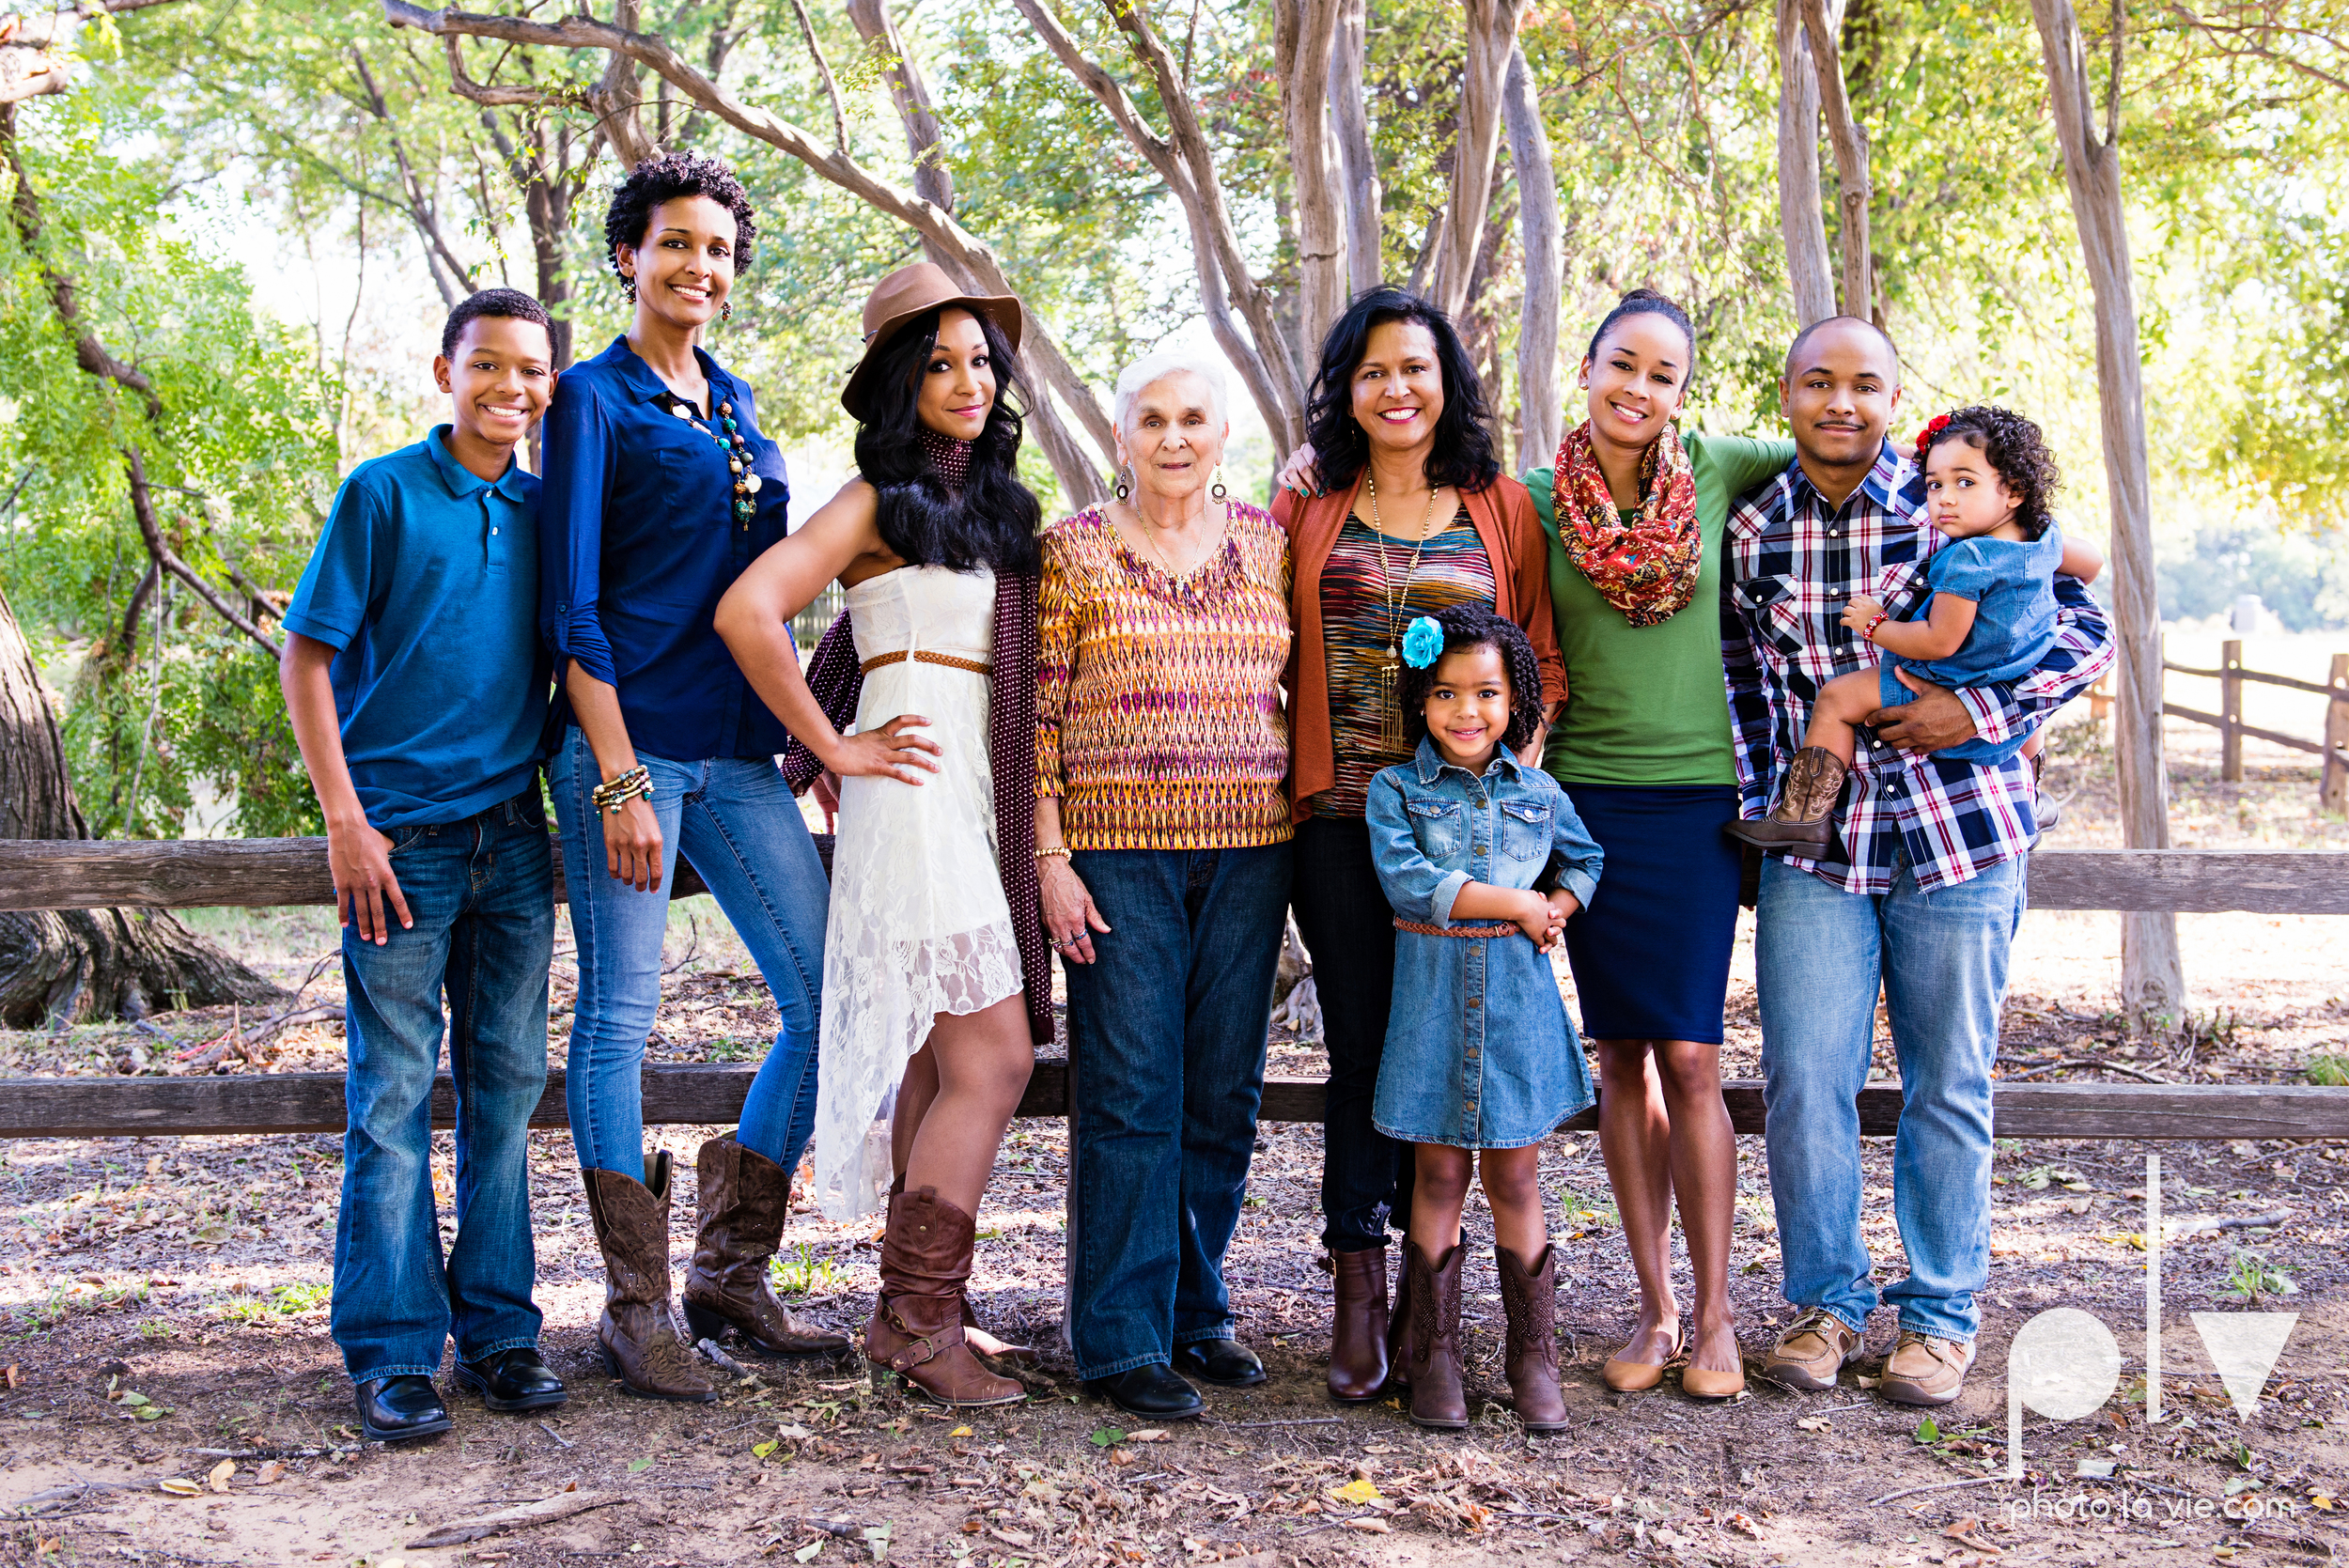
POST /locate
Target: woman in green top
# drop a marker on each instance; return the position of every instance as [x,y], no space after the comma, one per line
[1635,513]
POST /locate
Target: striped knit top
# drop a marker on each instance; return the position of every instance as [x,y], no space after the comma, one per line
[1158,719]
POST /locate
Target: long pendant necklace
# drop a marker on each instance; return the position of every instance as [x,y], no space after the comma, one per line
[1389,667]
[737,450]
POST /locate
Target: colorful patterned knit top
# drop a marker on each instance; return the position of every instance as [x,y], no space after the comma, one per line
[1159,720]
[1358,626]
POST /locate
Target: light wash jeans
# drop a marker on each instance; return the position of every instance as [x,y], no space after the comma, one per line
[1820,954]
[481,897]
[735,818]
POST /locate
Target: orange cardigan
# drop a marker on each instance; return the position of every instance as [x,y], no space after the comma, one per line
[1512,530]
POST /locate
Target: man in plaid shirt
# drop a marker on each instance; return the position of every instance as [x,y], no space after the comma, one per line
[1920,894]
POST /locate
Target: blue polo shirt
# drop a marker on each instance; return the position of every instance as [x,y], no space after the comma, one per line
[425,583]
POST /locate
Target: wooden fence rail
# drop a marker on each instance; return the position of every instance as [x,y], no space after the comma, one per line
[2332,789]
[40,873]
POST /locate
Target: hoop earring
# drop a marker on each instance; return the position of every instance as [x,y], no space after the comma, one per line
[1214,486]
[726,311]
[1122,482]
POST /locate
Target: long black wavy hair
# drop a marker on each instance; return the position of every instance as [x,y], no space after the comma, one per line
[1476,626]
[1463,454]
[994,519]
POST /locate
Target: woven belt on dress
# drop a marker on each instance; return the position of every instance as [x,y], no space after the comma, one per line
[923,656]
[1417,929]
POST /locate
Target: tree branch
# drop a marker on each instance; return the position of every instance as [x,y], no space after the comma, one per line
[823,74]
[1853,186]
[420,212]
[160,551]
[932,182]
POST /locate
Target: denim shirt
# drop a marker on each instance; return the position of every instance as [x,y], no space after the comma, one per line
[1479,1052]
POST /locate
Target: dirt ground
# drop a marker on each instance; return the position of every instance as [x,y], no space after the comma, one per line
[163,1329]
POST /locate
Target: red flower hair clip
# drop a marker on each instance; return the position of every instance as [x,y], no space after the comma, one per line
[1934,427]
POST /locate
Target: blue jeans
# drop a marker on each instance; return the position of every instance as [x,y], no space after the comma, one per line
[1166,1042]
[1942,958]
[735,818]
[481,893]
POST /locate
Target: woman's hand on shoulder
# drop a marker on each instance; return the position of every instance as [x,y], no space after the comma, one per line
[1300,476]
[891,752]
[1070,916]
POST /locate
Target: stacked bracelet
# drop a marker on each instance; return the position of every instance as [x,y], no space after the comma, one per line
[1869,635]
[634,785]
[1052,851]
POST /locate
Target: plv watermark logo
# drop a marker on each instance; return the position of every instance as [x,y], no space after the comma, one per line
[2064,1363]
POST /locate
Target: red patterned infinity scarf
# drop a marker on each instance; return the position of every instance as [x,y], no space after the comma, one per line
[1646,568]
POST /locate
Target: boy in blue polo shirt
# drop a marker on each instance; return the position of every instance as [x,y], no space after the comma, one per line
[418,688]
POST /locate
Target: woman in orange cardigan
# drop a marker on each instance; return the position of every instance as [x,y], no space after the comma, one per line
[1409,513]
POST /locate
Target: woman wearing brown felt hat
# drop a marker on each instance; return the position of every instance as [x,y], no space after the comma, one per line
[937,985]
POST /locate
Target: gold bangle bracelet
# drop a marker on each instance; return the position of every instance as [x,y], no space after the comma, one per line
[1056,851]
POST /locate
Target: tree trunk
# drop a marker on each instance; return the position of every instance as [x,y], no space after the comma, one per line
[63,966]
[2153,981]
[1492,39]
[1365,268]
[1304,32]
[1807,272]
[1540,419]
[1852,188]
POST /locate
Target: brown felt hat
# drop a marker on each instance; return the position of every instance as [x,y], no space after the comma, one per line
[902,296]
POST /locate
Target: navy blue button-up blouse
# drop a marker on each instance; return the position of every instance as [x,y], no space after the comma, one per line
[638,540]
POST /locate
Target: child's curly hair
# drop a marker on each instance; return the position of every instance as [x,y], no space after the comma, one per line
[1476,626]
[2016,448]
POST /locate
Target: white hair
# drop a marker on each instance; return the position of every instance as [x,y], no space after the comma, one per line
[1152,368]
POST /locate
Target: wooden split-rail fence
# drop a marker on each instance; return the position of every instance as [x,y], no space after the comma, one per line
[2333,789]
[249,873]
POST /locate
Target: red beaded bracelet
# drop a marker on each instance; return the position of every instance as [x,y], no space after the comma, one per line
[1869,634]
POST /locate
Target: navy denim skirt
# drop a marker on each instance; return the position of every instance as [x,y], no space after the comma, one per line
[1651,955]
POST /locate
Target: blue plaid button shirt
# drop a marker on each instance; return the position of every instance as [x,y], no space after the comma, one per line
[1795,561]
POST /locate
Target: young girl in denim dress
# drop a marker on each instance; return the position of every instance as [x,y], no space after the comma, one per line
[1479,1053]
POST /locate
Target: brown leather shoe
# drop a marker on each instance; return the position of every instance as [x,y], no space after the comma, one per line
[1631,1377]
[638,1335]
[1925,1369]
[1529,1295]
[1358,1352]
[982,1343]
[744,1197]
[1431,1341]
[1814,1349]
[1803,817]
[916,1330]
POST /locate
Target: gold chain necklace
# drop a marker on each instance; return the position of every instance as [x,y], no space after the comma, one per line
[1166,561]
[1389,669]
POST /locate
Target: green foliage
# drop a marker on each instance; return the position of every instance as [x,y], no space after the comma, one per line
[2329,1069]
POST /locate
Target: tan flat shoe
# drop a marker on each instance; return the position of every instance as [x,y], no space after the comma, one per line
[1631,1377]
[1703,1383]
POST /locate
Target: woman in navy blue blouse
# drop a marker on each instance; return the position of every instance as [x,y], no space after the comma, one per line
[659,491]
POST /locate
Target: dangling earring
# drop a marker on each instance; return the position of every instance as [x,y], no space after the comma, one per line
[1214,486]
[1123,486]
[726,311]
[627,288]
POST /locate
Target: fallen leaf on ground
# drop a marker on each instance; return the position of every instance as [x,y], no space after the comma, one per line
[1153,1435]
[13,1378]
[1374,1525]
[272,1473]
[1359,1490]
[1744,1525]
[1108,1436]
[218,1478]
[959,1432]
[1020,1537]
[179,1486]
[1813,1424]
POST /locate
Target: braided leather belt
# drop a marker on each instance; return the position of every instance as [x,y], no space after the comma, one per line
[1417,929]
[925,657]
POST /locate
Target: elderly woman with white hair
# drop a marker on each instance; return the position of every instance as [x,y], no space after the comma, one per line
[1162,847]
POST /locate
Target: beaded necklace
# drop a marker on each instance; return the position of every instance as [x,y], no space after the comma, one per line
[737,451]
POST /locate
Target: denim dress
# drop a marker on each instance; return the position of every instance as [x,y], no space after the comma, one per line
[2012,583]
[1479,1052]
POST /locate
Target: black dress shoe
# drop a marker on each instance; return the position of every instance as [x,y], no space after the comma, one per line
[393,1409]
[512,1379]
[1153,1393]
[1225,1363]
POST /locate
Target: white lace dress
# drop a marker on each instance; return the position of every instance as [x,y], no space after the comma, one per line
[918,925]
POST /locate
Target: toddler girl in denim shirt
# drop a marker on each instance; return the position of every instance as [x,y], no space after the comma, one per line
[1479,1054]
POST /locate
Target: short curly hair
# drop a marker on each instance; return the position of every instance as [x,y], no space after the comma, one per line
[666,178]
[1476,626]
[2017,450]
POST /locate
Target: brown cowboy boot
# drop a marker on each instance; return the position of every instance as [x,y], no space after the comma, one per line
[1358,1352]
[979,1340]
[916,1328]
[744,1197]
[638,1335]
[1529,1295]
[1431,1342]
[1805,807]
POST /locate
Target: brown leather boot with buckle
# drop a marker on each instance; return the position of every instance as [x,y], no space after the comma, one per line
[1530,1297]
[744,1198]
[916,1330]
[1814,1348]
[1357,1349]
[1804,817]
[638,1335]
[1925,1369]
[982,1343]
[1431,1340]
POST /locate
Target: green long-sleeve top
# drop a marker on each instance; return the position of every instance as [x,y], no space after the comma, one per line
[1647,705]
